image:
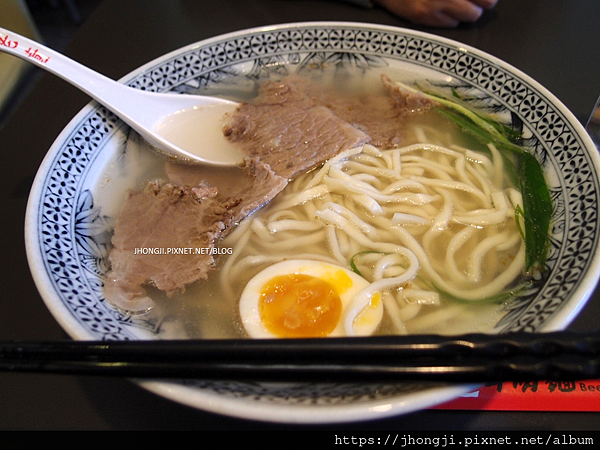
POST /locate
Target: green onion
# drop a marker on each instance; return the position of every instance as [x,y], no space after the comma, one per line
[523,168]
[520,216]
[353,260]
[498,298]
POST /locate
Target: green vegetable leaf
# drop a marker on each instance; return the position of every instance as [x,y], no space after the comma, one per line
[537,210]
[524,170]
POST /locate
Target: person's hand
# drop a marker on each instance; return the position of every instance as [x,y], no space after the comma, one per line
[438,13]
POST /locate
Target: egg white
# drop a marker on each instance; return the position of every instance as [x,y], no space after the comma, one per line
[370,317]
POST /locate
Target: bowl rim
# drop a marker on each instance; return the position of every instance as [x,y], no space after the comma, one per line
[299,414]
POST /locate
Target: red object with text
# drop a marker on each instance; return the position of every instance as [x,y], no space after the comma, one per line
[531,396]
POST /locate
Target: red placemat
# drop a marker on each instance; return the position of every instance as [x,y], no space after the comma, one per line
[531,396]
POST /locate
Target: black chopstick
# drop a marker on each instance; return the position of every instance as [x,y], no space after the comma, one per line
[465,358]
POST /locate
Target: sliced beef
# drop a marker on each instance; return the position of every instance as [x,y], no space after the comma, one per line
[291,127]
[250,187]
[227,180]
[381,116]
[405,100]
[287,130]
[295,124]
[265,186]
[157,224]
[157,219]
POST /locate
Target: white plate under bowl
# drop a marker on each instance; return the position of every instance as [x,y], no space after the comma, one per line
[83,179]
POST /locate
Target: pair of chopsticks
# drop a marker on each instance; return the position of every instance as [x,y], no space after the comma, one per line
[465,358]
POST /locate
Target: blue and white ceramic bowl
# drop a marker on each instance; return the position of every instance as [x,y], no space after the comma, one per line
[83,179]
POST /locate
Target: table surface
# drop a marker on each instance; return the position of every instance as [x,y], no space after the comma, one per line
[556,42]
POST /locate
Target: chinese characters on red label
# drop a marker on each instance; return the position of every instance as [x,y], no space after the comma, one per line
[550,395]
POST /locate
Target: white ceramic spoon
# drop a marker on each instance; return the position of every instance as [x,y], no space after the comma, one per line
[187,127]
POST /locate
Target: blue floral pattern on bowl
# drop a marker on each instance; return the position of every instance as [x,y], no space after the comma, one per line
[71,228]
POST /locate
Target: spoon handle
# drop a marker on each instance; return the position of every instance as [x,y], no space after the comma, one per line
[142,110]
[99,87]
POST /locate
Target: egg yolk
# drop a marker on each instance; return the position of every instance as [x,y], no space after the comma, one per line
[299,305]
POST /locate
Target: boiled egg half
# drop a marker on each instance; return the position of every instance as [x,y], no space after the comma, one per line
[305,298]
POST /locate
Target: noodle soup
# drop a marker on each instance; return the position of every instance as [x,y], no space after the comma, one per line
[430,225]
[84,181]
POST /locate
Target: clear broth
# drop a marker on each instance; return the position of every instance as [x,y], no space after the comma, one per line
[204,311]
